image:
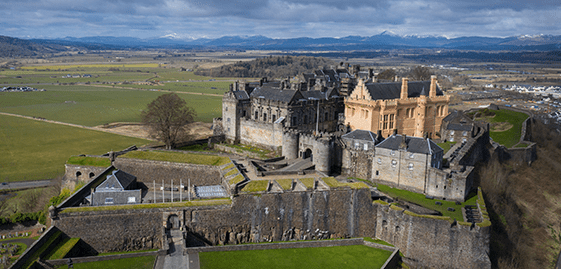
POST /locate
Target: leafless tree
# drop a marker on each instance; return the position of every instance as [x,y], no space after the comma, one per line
[388,74]
[420,73]
[167,118]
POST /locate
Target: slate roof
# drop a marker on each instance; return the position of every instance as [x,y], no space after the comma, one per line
[453,115]
[275,94]
[414,144]
[241,95]
[361,135]
[385,91]
[459,127]
[124,178]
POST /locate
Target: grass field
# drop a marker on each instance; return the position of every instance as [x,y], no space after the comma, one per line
[33,150]
[91,106]
[420,199]
[510,137]
[322,258]
[144,262]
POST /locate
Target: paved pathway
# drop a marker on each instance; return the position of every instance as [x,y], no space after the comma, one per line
[26,184]
[176,259]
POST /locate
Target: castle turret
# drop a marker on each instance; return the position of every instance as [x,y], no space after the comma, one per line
[322,154]
[290,145]
[404,90]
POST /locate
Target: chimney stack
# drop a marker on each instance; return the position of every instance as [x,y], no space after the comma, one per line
[432,92]
[404,90]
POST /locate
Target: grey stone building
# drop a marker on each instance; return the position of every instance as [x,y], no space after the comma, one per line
[119,188]
[402,161]
[459,127]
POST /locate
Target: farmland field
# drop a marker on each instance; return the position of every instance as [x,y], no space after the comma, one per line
[33,150]
[92,106]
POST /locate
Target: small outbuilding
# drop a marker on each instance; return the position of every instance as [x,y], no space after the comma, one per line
[118,189]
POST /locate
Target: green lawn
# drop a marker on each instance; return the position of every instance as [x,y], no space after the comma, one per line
[92,106]
[446,145]
[511,136]
[178,157]
[33,150]
[62,249]
[256,186]
[420,199]
[357,256]
[144,262]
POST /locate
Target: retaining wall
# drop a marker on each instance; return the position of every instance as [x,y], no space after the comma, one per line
[31,250]
[433,242]
[146,171]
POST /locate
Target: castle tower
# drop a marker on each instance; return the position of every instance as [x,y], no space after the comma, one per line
[404,90]
[290,145]
[322,154]
[432,92]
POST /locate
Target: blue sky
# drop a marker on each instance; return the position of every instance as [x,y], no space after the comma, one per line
[277,18]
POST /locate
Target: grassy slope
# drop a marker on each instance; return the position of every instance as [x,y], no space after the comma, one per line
[326,257]
[524,203]
[34,150]
[91,106]
[420,199]
[178,157]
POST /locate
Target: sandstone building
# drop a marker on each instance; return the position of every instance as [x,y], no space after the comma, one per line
[411,108]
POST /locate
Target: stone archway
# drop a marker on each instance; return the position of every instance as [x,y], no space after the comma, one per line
[308,154]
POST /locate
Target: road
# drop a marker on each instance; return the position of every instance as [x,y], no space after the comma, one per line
[26,184]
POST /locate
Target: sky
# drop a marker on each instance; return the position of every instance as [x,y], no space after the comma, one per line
[277,18]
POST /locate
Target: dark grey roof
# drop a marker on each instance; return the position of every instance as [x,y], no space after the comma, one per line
[385,91]
[124,178]
[459,127]
[241,95]
[308,76]
[453,115]
[414,144]
[361,135]
[275,94]
[330,73]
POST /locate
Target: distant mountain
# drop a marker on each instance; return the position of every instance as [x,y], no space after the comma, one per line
[384,40]
[14,47]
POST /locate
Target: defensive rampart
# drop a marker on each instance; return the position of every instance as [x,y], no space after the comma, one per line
[146,171]
[433,241]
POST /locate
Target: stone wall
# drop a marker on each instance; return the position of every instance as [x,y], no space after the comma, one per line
[114,230]
[79,173]
[261,134]
[147,171]
[291,215]
[433,242]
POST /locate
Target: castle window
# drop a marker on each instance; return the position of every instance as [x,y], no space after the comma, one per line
[256,115]
[131,200]
[357,145]
[326,116]
[385,126]
[365,146]
[377,172]
[264,116]
[391,120]
[92,175]
[228,120]
[274,118]
[226,108]
[379,160]
[452,132]
[78,174]
[109,200]
[410,166]
[394,163]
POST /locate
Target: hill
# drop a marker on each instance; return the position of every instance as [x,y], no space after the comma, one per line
[14,47]
[524,203]
[271,67]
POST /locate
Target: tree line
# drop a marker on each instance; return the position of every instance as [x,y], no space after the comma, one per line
[271,67]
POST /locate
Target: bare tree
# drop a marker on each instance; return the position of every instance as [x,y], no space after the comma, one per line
[388,74]
[167,118]
[420,73]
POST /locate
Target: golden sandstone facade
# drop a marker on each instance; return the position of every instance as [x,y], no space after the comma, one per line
[405,107]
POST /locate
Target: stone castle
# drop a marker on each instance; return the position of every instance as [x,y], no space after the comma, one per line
[340,119]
